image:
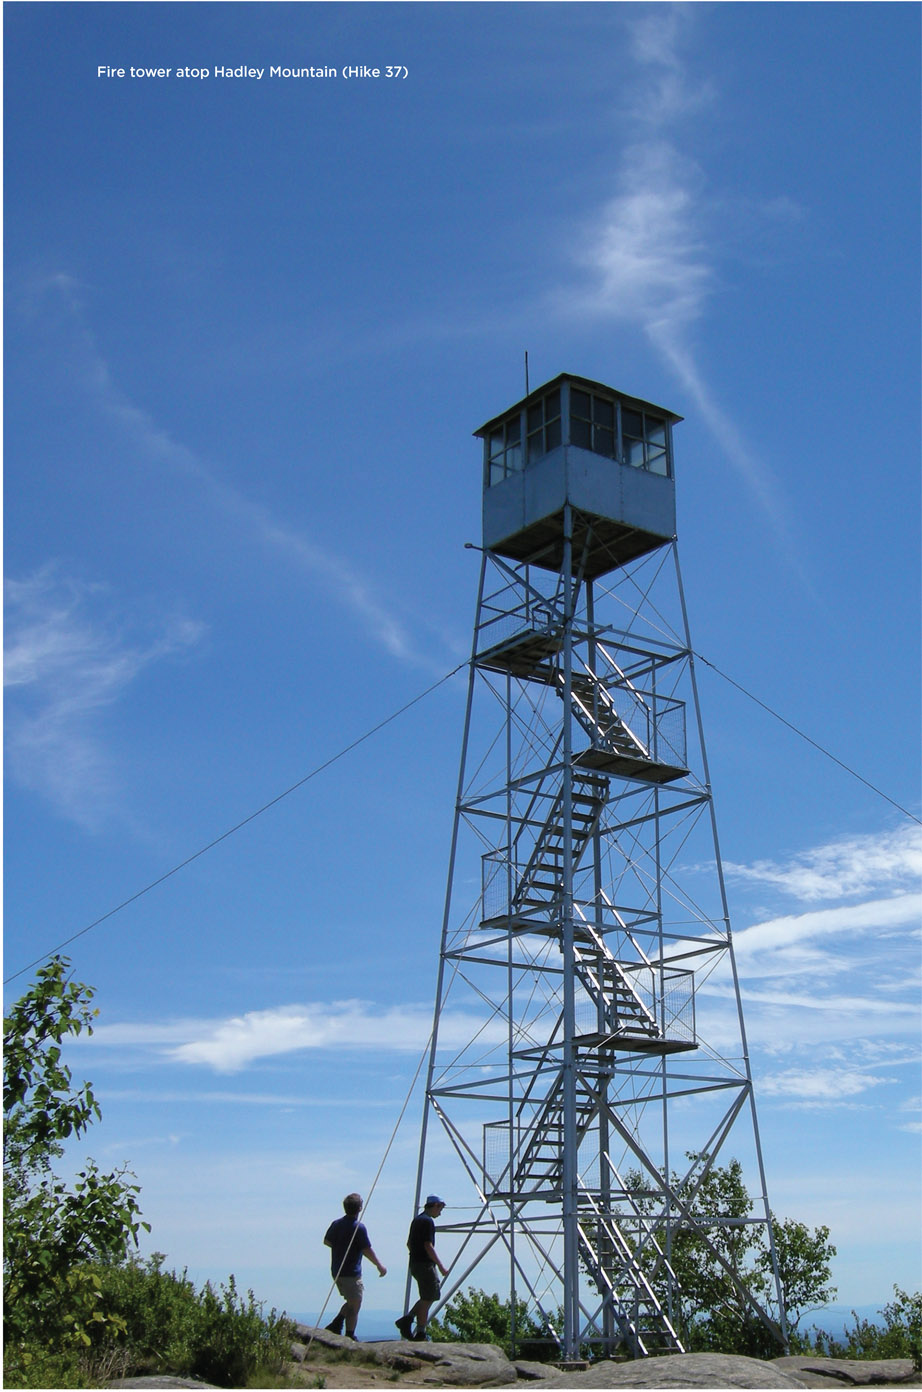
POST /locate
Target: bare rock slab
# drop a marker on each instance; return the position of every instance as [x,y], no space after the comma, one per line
[707,1370]
[306,1334]
[162,1380]
[526,1370]
[432,1364]
[848,1372]
[455,1365]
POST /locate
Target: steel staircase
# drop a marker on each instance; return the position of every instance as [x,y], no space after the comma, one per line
[615,746]
[613,1265]
[540,1163]
[621,1015]
[595,711]
[542,879]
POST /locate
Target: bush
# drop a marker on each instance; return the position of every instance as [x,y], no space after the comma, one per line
[473,1317]
[169,1327]
[26,1365]
[153,1321]
[79,1307]
[52,1232]
[900,1336]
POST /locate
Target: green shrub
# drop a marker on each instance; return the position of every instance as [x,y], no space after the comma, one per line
[233,1339]
[146,1321]
[51,1231]
[79,1307]
[219,1336]
[31,1365]
[899,1337]
[474,1317]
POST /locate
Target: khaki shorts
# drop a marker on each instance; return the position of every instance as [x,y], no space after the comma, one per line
[423,1274]
[350,1287]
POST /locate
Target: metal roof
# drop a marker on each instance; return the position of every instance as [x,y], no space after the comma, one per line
[589,385]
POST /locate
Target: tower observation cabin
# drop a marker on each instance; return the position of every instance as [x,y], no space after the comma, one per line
[579,442]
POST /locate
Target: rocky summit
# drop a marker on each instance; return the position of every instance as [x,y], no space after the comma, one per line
[712,1370]
[344,1364]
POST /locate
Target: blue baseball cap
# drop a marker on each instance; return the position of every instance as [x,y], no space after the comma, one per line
[434,1199]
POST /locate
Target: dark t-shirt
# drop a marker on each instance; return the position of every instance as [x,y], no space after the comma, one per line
[422,1230]
[349,1239]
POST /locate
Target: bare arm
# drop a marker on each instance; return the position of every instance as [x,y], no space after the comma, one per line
[433,1257]
[370,1254]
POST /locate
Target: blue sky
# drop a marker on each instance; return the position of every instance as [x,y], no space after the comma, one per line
[251,325]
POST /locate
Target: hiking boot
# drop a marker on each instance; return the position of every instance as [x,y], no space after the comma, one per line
[405,1325]
[335,1326]
[350,1336]
[421,1337]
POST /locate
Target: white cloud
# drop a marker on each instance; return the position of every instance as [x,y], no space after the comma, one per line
[647,253]
[850,1007]
[172,1096]
[232,1044]
[65,664]
[662,93]
[787,966]
[782,1022]
[650,253]
[789,942]
[864,937]
[819,1084]
[342,582]
[838,869]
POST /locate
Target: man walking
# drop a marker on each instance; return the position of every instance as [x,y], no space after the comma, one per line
[423,1262]
[348,1240]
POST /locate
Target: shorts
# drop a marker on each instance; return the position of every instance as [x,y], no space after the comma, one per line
[350,1287]
[423,1274]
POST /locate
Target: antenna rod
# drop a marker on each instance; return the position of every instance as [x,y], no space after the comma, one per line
[526,371]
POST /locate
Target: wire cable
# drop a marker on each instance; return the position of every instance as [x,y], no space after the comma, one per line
[373,731]
[374,1182]
[133,898]
[861,779]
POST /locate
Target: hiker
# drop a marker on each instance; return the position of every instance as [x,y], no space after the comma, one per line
[423,1262]
[348,1239]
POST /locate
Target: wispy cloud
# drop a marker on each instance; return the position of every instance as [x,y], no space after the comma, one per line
[229,1045]
[831,990]
[793,943]
[69,658]
[850,897]
[647,252]
[211,1097]
[839,869]
[657,36]
[805,979]
[827,1023]
[649,255]
[820,1084]
[342,581]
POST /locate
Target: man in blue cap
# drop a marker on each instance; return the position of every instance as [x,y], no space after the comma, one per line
[423,1263]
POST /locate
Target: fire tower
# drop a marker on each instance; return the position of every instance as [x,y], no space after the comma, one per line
[588,1062]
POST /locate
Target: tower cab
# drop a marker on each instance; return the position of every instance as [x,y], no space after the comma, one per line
[579,442]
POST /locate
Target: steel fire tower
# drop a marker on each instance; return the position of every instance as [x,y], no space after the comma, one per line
[589,1062]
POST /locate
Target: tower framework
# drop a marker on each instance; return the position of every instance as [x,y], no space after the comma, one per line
[589,1061]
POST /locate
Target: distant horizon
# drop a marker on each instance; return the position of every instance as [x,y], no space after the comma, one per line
[377,1325]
